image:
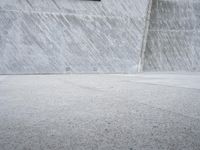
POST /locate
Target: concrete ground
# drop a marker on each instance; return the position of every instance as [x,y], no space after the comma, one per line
[149,111]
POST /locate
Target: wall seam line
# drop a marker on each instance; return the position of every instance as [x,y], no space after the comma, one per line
[144,41]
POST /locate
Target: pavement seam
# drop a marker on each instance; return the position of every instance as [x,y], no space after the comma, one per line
[165,85]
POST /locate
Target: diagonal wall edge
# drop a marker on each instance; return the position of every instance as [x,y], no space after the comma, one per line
[144,41]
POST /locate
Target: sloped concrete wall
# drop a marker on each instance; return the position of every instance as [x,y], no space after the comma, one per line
[71,36]
[173,42]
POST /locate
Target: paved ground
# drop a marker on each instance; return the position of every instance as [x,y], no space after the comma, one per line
[107,112]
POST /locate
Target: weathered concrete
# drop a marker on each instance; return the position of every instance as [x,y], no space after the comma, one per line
[120,112]
[80,36]
[71,36]
[173,39]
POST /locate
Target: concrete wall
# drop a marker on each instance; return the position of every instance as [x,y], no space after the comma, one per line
[173,42]
[71,36]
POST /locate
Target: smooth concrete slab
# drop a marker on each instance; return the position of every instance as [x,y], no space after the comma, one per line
[120,112]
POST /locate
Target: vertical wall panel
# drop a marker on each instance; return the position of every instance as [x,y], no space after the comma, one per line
[175,24]
[71,36]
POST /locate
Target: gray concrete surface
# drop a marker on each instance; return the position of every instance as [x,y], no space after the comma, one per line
[87,112]
[71,36]
[174,36]
[111,36]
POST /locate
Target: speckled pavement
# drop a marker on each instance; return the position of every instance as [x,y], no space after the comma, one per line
[149,111]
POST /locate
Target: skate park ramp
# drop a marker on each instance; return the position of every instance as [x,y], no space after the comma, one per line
[99,75]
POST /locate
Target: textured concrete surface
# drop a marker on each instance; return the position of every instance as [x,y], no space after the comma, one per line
[71,36]
[174,36]
[111,36]
[119,112]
